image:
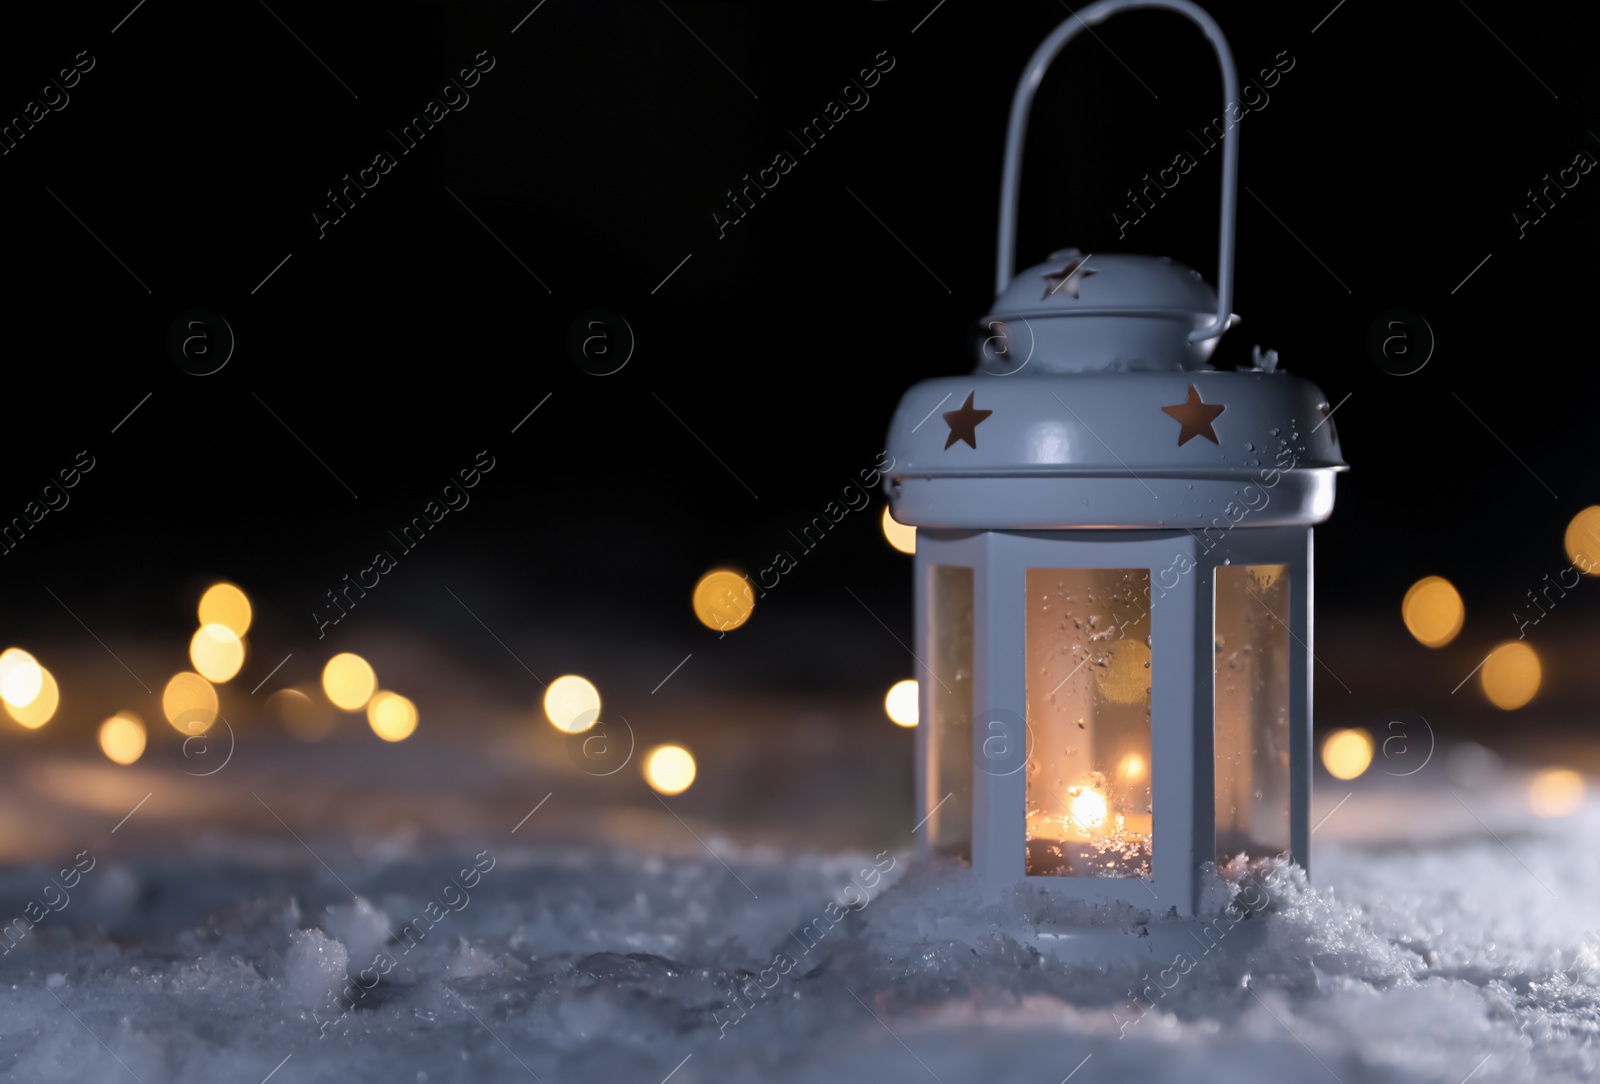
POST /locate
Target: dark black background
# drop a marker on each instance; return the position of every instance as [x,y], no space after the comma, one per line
[408,339]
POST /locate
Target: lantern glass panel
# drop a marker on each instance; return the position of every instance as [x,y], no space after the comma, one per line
[1088,701]
[949,715]
[1252,710]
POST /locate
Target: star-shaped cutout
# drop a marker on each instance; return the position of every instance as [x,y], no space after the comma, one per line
[963,423]
[1195,417]
[1069,278]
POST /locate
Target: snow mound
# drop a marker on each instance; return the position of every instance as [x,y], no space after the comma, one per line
[1472,954]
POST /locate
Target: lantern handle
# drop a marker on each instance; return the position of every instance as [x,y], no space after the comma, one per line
[1022,101]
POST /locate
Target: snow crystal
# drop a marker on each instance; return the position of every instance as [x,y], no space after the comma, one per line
[360,926]
[313,970]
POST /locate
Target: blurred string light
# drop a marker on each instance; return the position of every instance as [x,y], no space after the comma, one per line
[391,716]
[122,737]
[305,719]
[723,600]
[901,703]
[1556,792]
[38,710]
[1511,675]
[572,704]
[21,677]
[1347,753]
[349,681]
[669,769]
[1583,540]
[900,536]
[1132,767]
[1433,611]
[216,652]
[189,703]
[226,605]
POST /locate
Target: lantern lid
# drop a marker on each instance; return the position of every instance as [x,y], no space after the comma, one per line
[1106,311]
[1131,450]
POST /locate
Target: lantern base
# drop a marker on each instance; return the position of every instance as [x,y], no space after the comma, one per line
[940,898]
[1168,941]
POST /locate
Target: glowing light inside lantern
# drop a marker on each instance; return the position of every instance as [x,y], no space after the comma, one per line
[349,681]
[122,737]
[1433,611]
[669,769]
[901,703]
[1347,753]
[900,536]
[37,711]
[21,677]
[1132,767]
[216,652]
[226,605]
[1556,792]
[1086,808]
[391,716]
[1511,675]
[723,600]
[1088,665]
[189,703]
[572,704]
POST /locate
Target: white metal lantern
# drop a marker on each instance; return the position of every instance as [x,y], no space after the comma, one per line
[1113,569]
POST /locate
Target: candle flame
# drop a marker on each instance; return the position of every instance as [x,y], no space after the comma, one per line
[1087,807]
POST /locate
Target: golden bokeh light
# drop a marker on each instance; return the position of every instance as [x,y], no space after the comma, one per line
[349,681]
[216,652]
[189,703]
[572,704]
[901,702]
[21,677]
[900,536]
[1511,675]
[1132,767]
[669,769]
[1433,611]
[122,737]
[391,716]
[723,600]
[37,711]
[306,719]
[1347,753]
[226,605]
[1583,540]
[1123,671]
[1556,792]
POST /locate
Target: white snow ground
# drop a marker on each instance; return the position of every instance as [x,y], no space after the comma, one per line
[1447,935]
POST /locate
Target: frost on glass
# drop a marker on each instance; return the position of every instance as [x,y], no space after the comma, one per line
[1088,697]
[949,695]
[1252,710]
